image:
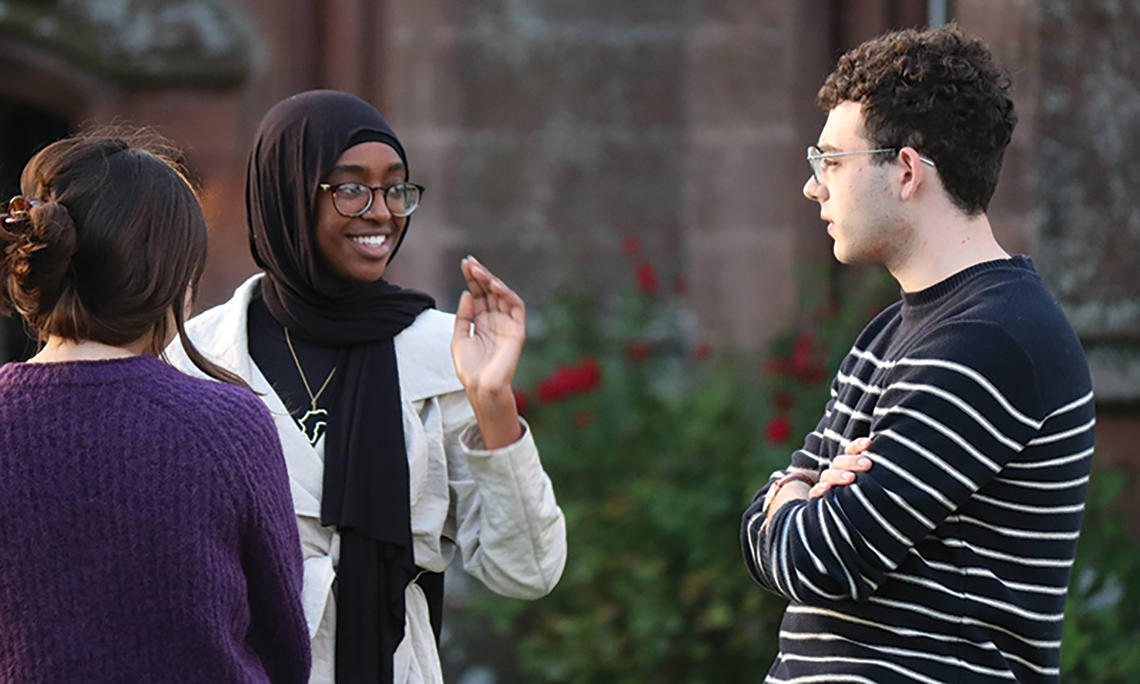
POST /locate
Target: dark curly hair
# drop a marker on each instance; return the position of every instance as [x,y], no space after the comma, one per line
[938,91]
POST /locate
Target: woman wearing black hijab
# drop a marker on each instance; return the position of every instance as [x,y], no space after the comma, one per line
[398,422]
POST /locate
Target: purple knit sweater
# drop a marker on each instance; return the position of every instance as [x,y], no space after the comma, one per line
[146,529]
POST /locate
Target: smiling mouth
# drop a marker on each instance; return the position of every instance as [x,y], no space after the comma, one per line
[369,240]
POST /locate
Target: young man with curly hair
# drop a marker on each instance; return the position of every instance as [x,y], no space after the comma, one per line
[927,528]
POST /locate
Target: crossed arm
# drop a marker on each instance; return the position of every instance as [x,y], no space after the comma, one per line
[942,429]
[841,472]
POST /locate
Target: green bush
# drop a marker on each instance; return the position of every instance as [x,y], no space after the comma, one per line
[656,443]
[1102,614]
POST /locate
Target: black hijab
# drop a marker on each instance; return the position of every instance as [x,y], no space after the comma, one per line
[365,490]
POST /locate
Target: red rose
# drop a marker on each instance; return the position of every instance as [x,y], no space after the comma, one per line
[814,374]
[779,429]
[554,386]
[777,366]
[637,350]
[702,350]
[803,353]
[631,245]
[569,380]
[589,375]
[646,278]
[783,401]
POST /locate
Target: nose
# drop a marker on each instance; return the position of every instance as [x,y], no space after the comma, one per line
[814,190]
[378,211]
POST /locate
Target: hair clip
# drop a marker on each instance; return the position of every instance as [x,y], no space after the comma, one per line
[18,208]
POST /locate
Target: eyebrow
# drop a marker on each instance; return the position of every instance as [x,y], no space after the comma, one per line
[824,147]
[356,168]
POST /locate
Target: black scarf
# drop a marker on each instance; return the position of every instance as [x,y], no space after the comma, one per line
[365,491]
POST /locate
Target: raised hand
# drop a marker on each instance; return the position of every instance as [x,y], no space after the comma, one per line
[490,328]
[843,468]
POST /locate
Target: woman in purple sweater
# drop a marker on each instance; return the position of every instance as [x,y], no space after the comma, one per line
[146,524]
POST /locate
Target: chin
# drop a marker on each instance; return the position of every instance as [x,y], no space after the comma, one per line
[363,278]
[840,254]
[850,257]
[353,274]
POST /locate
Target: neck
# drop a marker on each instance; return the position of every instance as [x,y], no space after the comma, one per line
[945,247]
[59,349]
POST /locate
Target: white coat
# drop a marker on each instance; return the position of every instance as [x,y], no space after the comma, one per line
[496,507]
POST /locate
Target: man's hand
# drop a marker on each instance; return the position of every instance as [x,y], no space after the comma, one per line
[843,468]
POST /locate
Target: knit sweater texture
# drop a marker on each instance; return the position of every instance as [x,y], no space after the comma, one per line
[146,529]
[948,560]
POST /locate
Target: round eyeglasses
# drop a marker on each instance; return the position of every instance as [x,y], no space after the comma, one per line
[352,199]
[816,157]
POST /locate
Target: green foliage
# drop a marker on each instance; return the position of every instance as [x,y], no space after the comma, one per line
[653,467]
[1102,614]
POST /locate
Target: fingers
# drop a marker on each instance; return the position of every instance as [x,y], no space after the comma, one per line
[848,463]
[498,297]
[843,469]
[856,446]
[829,478]
[464,315]
[475,285]
[476,276]
[508,300]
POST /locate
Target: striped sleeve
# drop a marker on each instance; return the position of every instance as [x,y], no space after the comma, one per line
[944,420]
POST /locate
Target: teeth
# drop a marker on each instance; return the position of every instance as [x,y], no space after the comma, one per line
[370,240]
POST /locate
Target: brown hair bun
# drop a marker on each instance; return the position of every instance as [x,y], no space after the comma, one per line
[37,256]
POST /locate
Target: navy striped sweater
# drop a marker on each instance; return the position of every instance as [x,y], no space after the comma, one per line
[949,559]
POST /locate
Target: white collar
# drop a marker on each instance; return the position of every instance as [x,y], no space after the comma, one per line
[423,349]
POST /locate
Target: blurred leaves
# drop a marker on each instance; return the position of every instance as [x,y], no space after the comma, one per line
[1102,614]
[653,464]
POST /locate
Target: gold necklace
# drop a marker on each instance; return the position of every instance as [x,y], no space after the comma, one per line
[319,416]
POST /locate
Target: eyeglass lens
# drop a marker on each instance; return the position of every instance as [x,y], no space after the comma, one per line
[813,161]
[353,199]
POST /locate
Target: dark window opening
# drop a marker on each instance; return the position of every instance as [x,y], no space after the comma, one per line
[26,130]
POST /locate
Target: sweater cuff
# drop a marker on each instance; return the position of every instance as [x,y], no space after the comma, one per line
[472,441]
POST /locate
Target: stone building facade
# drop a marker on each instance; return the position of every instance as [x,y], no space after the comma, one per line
[548,132]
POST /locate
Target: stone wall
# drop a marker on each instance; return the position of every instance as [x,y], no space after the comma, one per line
[1067,193]
[548,132]
[1089,145]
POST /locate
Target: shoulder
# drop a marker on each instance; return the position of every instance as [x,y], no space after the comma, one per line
[430,324]
[208,404]
[423,356]
[217,320]
[1015,324]
[1017,300]
[224,431]
[219,333]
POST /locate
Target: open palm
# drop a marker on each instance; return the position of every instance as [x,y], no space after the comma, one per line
[490,328]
